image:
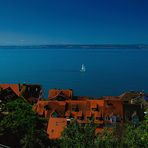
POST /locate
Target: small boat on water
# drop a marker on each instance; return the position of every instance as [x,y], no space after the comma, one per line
[83,69]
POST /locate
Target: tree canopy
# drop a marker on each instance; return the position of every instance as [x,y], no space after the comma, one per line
[21,127]
[80,136]
[119,136]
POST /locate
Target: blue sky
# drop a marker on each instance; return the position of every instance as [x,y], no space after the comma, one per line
[73,21]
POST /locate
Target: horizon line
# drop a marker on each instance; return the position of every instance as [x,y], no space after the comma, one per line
[79,44]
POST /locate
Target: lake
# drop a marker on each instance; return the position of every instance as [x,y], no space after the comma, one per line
[108,71]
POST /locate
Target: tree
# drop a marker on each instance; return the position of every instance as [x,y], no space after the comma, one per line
[126,135]
[76,135]
[136,137]
[21,127]
[108,138]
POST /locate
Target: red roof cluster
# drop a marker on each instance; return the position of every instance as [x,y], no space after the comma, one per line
[61,106]
[83,110]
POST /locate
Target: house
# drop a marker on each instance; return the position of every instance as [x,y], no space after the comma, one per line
[130,96]
[9,91]
[56,127]
[60,113]
[60,94]
[31,92]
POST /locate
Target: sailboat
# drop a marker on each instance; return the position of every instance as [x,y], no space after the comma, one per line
[83,69]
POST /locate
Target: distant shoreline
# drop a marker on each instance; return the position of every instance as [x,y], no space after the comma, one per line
[79,46]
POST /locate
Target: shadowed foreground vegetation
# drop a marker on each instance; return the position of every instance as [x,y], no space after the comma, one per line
[126,136]
[21,127]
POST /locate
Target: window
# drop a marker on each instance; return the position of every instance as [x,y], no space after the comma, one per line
[96,108]
[55,114]
[46,107]
[68,121]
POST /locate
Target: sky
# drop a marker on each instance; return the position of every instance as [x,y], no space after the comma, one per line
[73,22]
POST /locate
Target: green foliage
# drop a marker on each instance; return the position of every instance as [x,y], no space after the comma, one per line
[108,138]
[118,136]
[136,137]
[76,136]
[21,127]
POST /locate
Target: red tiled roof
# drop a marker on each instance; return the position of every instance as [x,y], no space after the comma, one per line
[39,107]
[79,114]
[54,93]
[55,127]
[14,87]
[88,113]
[94,103]
[76,108]
[112,98]
[97,114]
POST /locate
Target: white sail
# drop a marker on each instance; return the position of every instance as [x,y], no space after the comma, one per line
[83,69]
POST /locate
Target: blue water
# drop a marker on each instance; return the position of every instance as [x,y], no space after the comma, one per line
[109,72]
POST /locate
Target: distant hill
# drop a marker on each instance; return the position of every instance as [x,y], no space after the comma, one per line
[78,46]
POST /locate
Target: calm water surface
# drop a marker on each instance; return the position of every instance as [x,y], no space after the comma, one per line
[109,72]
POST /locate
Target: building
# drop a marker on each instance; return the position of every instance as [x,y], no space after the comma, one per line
[31,92]
[60,94]
[83,110]
[9,91]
